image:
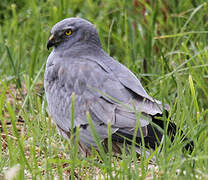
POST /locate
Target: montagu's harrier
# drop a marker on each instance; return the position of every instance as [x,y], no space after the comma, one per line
[106,89]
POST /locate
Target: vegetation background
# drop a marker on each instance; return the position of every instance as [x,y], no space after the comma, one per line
[163,42]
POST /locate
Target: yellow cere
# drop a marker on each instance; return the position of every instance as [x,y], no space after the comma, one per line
[68,32]
[51,37]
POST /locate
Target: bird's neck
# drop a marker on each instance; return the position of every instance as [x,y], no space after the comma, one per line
[81,49]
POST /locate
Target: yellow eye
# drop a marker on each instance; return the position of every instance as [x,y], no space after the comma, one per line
[68,32]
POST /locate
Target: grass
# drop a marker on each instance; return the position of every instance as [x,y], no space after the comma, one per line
[163,42]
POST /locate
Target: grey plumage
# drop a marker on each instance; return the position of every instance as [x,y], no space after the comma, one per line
[78,64]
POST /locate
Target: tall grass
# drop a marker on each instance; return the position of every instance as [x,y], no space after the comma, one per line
[163,42]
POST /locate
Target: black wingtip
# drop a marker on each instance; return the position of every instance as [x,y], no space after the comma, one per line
[151,141]
[189,145]
[172,130]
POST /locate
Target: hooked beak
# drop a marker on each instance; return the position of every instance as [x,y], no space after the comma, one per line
[51,42]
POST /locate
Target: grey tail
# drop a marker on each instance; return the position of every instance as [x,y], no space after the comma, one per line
[154,136]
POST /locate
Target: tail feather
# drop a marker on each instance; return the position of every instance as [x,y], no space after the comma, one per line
[154,136]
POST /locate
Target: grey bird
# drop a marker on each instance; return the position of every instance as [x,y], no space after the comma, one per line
[106,89]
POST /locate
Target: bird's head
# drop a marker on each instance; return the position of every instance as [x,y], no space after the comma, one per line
[71,31]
